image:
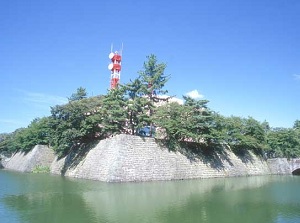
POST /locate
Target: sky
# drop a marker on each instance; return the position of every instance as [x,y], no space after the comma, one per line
[242,56]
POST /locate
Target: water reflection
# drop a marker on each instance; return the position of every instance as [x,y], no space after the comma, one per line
[43,198]
[156,199]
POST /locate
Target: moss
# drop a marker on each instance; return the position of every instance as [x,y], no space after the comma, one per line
[41,169]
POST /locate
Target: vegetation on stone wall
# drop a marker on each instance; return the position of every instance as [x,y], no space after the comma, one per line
[41,169]
[138,105]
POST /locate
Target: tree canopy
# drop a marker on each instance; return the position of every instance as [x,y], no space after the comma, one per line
[141,104]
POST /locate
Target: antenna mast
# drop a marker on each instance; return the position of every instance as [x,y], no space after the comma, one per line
[115,67]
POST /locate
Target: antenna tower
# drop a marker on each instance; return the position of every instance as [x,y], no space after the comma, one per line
[115,67]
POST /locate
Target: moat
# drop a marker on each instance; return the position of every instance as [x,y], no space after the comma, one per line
[46,198]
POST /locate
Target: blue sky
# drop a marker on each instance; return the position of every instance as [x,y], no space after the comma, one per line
[242,56]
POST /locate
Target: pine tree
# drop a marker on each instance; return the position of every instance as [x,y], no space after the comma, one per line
[153,81]
[113,112]
[136,106]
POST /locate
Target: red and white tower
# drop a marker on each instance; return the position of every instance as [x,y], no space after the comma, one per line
[115,68]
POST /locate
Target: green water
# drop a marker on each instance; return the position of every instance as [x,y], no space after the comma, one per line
[43,198]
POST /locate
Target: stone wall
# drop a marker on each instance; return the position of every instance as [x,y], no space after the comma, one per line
[295,165]
[279,166]
[26,162]
[133,158]
[283,165]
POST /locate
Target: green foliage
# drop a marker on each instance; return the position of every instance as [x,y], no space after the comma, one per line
[297,124]
[80,94]
[3,136]
[7,143]
[153,78]
[130,107]
[218,130]
[113,117]
[244,134]
[41,169]
[284,142]
[5,140]
[199,119]
[137,106]
[75,123]
[172,124]
[24,139]
[190,122]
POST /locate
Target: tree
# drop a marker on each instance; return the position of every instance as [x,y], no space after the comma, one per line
[75,123]
[13,141]
[153,80]
[245,134]
[172,124]
[218,130]
[284,142]
[5,142]
[297,124]
[91,124]
[190,122]
[24,139]
[136,106]
[200,119]
[37,133]
[80,94]
[113,115]
[4,137]
[142,103]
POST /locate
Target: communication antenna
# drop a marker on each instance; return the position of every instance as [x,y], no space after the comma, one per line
[121,50]
[115,67]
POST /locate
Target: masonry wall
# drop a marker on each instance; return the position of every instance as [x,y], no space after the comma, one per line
[294,164]
[279,166]
[133,158]
[26,162]
[283,165]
